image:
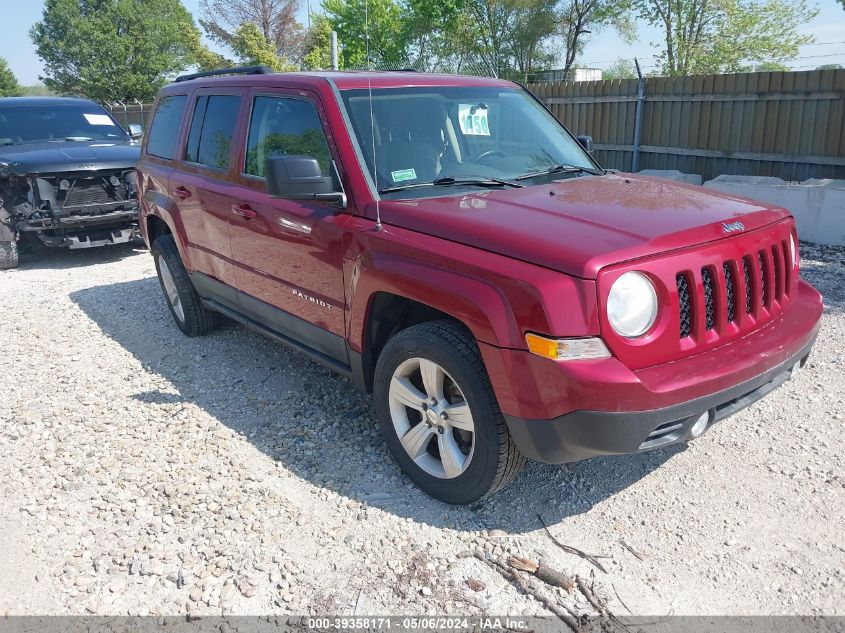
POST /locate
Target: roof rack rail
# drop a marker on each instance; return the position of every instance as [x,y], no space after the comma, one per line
[238,70]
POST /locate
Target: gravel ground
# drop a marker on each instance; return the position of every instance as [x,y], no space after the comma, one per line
[145,472]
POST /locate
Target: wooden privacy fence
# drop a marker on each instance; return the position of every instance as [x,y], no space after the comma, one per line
[785,124]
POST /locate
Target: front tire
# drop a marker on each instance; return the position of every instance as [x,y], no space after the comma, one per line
[439,415]
[190,315]
[8,255]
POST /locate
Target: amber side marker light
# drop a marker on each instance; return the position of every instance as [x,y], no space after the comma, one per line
[566,348]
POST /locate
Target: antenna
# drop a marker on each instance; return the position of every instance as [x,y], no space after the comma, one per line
[372,117]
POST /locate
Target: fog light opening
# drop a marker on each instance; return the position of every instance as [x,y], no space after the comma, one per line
[700,424]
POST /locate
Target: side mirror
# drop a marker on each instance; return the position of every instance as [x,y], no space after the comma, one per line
[299,177]
[135,131]
[586,142]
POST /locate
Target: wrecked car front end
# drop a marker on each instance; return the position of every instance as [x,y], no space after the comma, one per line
[66,175]
[75,209]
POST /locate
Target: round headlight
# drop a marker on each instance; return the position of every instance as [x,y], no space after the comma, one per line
[632,305]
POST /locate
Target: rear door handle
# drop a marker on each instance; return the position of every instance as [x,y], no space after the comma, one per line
[182,192]
[244,210]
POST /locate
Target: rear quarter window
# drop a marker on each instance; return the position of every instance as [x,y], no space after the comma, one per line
[212,128]
[164,131]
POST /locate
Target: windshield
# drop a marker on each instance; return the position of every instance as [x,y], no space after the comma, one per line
[442,134]
[21,124]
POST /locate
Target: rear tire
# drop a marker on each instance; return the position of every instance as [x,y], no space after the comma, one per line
[185,306]
[480,456]
[8,255]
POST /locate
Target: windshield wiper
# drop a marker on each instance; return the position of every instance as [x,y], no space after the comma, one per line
[556,169]
[449,181]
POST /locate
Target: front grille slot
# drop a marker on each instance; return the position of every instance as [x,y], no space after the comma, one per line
[729,288]
[746,271]
[764,296]
[778,272]
[684,307]
[709,310]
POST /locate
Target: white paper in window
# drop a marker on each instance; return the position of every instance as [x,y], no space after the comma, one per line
[473,119]
[99,119]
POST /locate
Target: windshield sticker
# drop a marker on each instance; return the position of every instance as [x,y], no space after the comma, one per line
[99,119]
[473,119]
[402,175]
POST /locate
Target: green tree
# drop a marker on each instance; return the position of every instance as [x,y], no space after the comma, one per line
[251,48]
[38,90]
[112,50]
[830,66]
[579,18]
[203,57]
[530,41]
[389,38]
[9,86]
[718,36]
[318,44]
[771,67]
[621,69]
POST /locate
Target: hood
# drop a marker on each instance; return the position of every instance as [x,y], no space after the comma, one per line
[47,158]
[580,225]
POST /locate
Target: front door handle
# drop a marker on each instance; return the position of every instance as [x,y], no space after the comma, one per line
[244,210]
[182,192]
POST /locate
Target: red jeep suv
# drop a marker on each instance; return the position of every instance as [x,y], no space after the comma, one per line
[448,245]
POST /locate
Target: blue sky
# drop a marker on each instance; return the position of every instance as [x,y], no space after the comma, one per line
[602,50]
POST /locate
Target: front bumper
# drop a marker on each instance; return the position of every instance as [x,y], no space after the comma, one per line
[568,411]
[84,231]
[584,434]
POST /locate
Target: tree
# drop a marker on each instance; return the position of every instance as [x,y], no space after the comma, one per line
[503,38]
[621,69]
[388,33]
[318,44]
[38,90]
[275,21]
[251,48]
[111,50]
[771,67]
[534,26]
[718,36]
[9,86]
[831,66]
[579,18]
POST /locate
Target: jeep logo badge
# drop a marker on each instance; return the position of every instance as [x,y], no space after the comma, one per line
[730,227]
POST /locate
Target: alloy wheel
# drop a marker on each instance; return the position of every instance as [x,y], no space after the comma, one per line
[431,417]
[170,290]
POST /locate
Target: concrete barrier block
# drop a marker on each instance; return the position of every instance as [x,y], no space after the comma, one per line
[818,204]
[673,174]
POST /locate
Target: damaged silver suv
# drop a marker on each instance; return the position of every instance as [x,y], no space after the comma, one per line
[67,175]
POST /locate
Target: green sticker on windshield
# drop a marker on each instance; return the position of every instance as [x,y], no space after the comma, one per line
[402,175]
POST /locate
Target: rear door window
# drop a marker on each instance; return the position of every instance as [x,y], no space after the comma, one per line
[284,125]
[212,129]
[164,131]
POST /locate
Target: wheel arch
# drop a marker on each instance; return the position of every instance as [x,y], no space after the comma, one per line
[393,294]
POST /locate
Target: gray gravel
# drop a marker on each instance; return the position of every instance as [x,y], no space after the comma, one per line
[144,472]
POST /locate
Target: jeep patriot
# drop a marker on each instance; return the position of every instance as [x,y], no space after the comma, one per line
[448,245]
